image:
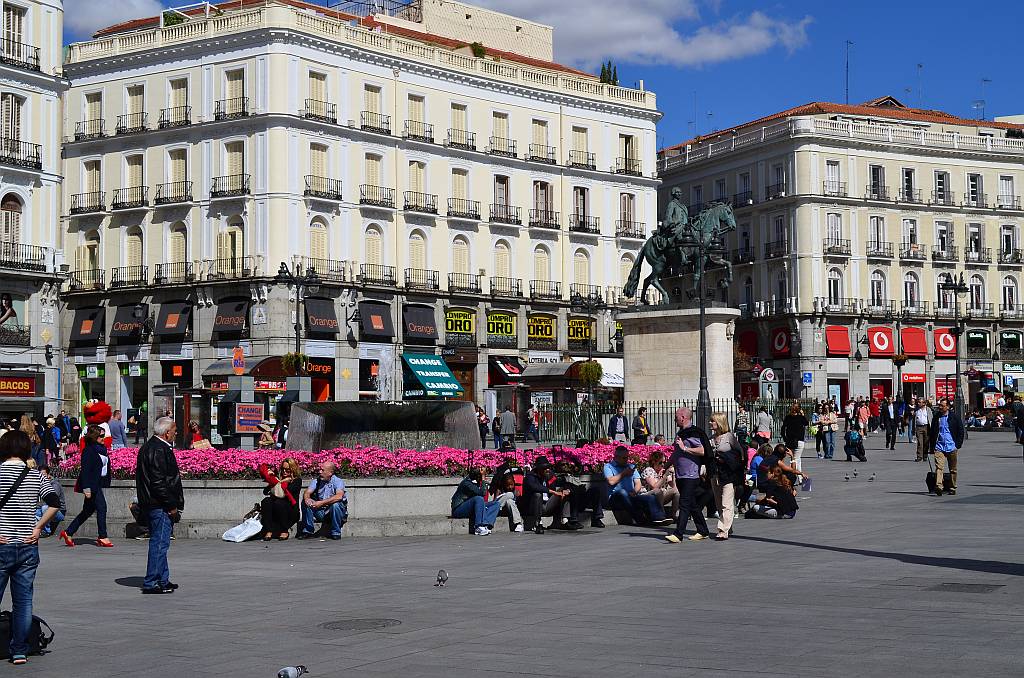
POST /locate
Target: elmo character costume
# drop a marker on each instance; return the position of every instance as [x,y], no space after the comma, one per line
[98,413]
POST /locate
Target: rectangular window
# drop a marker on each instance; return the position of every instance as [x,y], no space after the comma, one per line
[417,172]
[779,172]
[910,233]
[698,196]
[876,182]
[745,182]
[876,229]
[136,99]
[499,125]
[719,189]
[542,196]
[943,235]
[780,229]
[1006,195]
[579,139]
[501,192]
[234,158]
[14,21]
[974,238]
[91,172]
[908,183]
[417,108]
[627,146]
[372,166]
[94,106]
[835,226]
[372,99]
[178,93]
[318,160]
[318,86]
[134,171]
[1008,238]
[177,164]
[539,133]
[942,186]
[460,184]
[234,84]
[627,207]
[460,118]
[975,195]
[832,172]
[580,201]
[10,110]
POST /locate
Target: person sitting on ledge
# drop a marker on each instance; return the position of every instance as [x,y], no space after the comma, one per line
[279,510]
[779,500]
[540,499]
[624,491]
[468,502]
[325,502]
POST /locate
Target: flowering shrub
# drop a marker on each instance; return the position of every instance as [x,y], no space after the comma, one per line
[352,462]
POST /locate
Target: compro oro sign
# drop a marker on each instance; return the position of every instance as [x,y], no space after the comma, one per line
[541,327]
[501,324]
[580,329]
[459,321]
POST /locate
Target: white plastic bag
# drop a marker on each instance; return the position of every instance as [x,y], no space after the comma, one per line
[249,528]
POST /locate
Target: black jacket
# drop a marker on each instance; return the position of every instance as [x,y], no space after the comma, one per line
[956,429]
[157,478]
[534,484]
[91,476]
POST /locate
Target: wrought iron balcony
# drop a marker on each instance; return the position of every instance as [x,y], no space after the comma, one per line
[838,305]
[328,270]
[911,195]
[377,196]
[1012,312]
[460,208]
[625,228]
[130,198]
[377,274]
[231,268]
[21,257]
[85,203]
[977,200]
[835,189]
[878,250]
[323,187]
[877,192]
[89,279]
[131,123]
[230,109]
[420,202]
[506,287]
[984,310]
[173,192]
[630,166]
[1008,202]
[421,279]
[418,131]
[467,283]
[541,153]
[506,214]
[1011,256]
[89,129]
[880,308]
[174,273]
[583,160]
[375,122]
[129,276]
[773,191]
[914,251]
[460,138]
[836,247]
[18,54]
[585,223]
[947,253]
[15,335]
[230,186]
[744,255]
[776,248]
[544,219]
[545,289]
[21,153]
[501,146]
[946,309]
[585,291]
[947,198]
[324,111]
[176,116]
[978,255]
[915,309]
[742,199]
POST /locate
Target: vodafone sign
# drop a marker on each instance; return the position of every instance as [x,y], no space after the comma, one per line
[945,343]
[780,341]
[880,342]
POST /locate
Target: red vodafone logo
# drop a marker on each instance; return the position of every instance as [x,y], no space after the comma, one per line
[780,341]
[880,341]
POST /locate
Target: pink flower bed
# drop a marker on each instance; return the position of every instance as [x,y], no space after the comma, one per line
[352,462]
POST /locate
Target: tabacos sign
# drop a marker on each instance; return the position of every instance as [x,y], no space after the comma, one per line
[458,321]
[501,324]
[580,329]
[17,386]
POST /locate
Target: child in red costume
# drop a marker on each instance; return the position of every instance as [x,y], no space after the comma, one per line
[99,413]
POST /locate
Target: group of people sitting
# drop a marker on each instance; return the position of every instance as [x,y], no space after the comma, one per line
[285,504]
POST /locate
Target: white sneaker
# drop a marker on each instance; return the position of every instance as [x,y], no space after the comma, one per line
[519,528]
[484,531]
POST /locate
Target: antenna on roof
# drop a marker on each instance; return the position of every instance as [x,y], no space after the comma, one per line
[920,94]
[849,44]
[984,81]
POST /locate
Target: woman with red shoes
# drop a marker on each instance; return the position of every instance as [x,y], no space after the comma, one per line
[93,477]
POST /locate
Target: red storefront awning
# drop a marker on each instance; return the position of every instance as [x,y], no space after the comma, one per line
[945,343]
[880,342]
[837,340]
[748,343]
[915,343]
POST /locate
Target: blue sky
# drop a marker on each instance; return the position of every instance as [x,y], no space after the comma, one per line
[746,59]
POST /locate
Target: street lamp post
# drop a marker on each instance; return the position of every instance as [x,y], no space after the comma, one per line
[958,288]
[308,283]
[589,304]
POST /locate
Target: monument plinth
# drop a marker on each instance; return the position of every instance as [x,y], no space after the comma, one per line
[661,353]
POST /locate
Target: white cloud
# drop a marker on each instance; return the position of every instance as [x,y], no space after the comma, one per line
[84,17]
[645,31]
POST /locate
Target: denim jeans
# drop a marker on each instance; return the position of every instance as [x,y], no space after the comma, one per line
[533,432]
[830,444]
[97,504]
[157,572]
[50,527]
[18,563]
[480,512]
[337,512]
[641,507]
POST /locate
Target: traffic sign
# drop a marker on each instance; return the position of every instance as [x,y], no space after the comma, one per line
[808,378]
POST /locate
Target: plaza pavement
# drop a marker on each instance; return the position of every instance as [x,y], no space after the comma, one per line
[872,579]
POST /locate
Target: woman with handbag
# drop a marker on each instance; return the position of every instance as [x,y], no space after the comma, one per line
[279,511]
[727,472]
[93,477]
[828,425]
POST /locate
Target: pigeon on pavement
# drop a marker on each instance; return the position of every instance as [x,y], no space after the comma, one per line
[442,578]
[292,671]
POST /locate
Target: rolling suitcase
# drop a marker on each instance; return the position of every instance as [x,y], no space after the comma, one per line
[929,478]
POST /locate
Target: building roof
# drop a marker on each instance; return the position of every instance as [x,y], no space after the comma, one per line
[881,107]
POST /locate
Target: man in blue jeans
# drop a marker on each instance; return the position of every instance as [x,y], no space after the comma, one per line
[624,491]
[324,502]
[161,500]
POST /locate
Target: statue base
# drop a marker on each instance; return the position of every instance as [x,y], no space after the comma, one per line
[661,353]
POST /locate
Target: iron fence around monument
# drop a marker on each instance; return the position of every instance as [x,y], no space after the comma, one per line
[571,423]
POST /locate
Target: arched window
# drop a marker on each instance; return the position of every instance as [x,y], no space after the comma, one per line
[10,226]
[625,266]
[231,247]
[460,256]
[374,246]
[318,239]
[178,245]
[977,291]
[417,251]
[133,248]
[87,256]
[541,263]
[945,297]
[911,289]
[835,286]
[581,268]
[1009,294]
[502,260]
[878,293]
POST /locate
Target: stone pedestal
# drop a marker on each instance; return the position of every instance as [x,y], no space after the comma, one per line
[661,356]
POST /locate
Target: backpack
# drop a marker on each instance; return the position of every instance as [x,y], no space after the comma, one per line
[37,640]
[853,438]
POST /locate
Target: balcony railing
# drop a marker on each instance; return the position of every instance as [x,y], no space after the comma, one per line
[85,203]
[879,249]
[323,187]
[15,335]
[915,309]
[545,289]
[979,255]
[541,153]
[21,257]
[976,200]
[231,268]
[584,223]
[913,250]
[173,192]
[742,199]
[911,195]
[129,276]
[506,287]
[629,166]
[544,219]
[773,191]
[174,273]
[324,111]
[230,186]
[776,248]
[130,198]
[947,253]
[984,310]
[501,146]
[1015,312]
[131,123]
[21,153]
[375,122]
[377,274]
[1008,202]
[835,189]
[418,131]
[625,228]
[421,279]
[460,208]
[420,202]
[838,305]
[229,109]
[585,291]
[837,247]
[877,192]
[506,214]
[14,53]
[744,255]
[460,138]
[1010,256]
[90,279]
[176,116]
[377,196]
[328,270]
[946,309]
[467,283]
[943,198]
[89,129]
[582,160]
[880,308]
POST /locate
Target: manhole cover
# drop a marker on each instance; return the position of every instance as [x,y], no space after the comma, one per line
[359,624]
[955,587]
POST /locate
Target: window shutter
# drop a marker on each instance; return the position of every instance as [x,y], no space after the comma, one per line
[13,23]
[318,87]
[317,240]
[135,249]
[625,266]
[373,170]
[460,256]
[416,171]
[579,139]
[236,246]
[235,84]
[223,245]
[371,98]
[93,106]
[373,248]
[416,109]
[92,176]
[417,252]
[11,225]
[318,160]
[11,112]
[541,264]
[626,207]
[235,152]
[134,171]
[502,261]
[459,121]
[178,162]
[179,93]
[81,258]
[178,245]
[581,269]
[501,125]
[622,146]
[136,96]
[460,184]
[540,133]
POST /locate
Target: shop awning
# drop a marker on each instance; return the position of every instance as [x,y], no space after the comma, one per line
[748,343]
[508,369]
[126,325]
[320,316]
[433,375]
[375,318]
[174,318]
[88,324]
[945,343]
[880,341]
[546,370]
[837,340]
[419,322]
[231,317]
[915,343]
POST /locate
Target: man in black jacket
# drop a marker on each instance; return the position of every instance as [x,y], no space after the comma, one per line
[541,498]
[889,421]
[161,500]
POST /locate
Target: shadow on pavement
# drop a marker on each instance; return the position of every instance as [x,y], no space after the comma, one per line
[133,582]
